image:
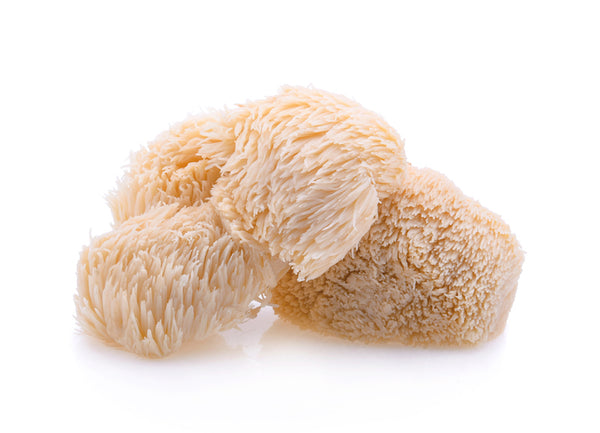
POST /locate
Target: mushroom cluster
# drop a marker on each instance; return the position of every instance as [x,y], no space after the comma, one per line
[303,201]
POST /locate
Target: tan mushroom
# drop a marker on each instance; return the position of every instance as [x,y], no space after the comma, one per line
[215,211]
[436,268]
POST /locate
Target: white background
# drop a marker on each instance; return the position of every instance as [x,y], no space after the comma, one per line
[504,99]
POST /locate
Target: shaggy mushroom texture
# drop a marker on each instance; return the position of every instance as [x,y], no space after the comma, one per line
[436,268]
[306,177]
[213,212]
[169,276]
[179,167]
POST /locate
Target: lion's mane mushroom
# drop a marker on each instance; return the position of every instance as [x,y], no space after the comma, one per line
[212,214]
[436,268]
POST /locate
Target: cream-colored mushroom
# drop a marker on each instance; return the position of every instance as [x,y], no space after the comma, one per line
[213,212]
[179,167]
[169,276]
[306,176]
[436,268]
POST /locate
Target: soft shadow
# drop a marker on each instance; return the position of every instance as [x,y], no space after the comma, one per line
[241,342]
[268,336]
[283,336]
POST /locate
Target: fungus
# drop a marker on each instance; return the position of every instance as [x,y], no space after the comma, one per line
[303,200]
[214,212]
[436,268]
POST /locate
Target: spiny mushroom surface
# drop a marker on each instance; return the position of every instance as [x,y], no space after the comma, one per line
[169,276]
[436,268]
[308,171]
[204,221]
[179,167]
